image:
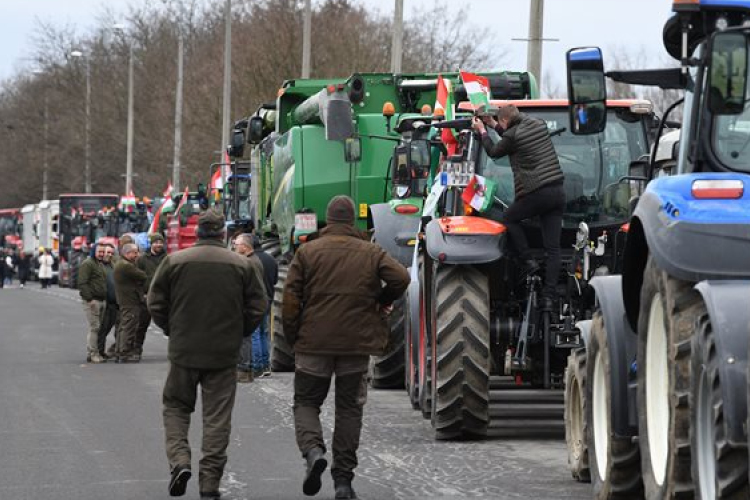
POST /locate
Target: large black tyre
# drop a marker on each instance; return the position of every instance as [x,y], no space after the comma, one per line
[461,352]
[614,461]
[411,348]
[722,475]
[669,311]
[282,354]
[272,247]
[388,370]
[576,424]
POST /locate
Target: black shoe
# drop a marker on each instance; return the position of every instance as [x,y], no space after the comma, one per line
[344,489]
[180,477]
[530,267]
[316,464]
[211,495]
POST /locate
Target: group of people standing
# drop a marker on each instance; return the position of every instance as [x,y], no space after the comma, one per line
[113,293]
[22,265]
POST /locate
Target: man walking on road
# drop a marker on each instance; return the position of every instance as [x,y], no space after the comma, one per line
[204,298]
[334,314]
[243,246]
[129,282]
[148,263]
[92,287]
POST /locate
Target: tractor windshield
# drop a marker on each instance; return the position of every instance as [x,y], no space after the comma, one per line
[593,165]
[8,225]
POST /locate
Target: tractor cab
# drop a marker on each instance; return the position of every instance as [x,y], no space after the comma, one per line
[412,157]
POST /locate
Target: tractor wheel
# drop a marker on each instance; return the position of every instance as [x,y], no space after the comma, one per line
[461,352]
[272,247]
[388,370]
[576,424]
[614,461]
[720,467]
[668,314]
[411,349]
[282,354]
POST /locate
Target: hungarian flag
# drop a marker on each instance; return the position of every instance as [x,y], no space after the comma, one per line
[168,192]
[477,88]
[166,204]
[445,103]
[127,203]
[479,193]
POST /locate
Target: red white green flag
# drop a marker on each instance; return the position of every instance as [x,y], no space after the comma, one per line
[477,88]
[168,192]
[479,193]
[444,102]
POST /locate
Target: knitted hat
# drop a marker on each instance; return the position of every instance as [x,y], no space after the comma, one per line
[211,220]
[154,237]
[340,210]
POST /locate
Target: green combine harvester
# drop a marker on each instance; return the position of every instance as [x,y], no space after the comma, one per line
[323,138]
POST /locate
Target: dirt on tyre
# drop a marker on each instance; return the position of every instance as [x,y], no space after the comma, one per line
[722,475]
[666,323]
[576,424]
[614,461]
[461,352]
[282,354]
[388,370]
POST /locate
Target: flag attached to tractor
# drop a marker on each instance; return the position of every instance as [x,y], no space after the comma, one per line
[444,105]
[479,193]
[477,88]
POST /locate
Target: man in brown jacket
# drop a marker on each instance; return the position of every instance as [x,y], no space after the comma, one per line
[129,281]
[204,298]
[335,315]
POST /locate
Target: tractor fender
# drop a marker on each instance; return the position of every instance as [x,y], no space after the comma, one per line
[394,232]
[482,242]
[675,223]
[623,346]
[414,291]
[726,302]
[584,327]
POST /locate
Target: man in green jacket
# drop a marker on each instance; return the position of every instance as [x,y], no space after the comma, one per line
[129,281]
[338,294]
[148,263]
[92,287]
[204,298]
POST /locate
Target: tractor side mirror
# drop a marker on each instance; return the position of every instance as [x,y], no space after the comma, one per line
[352,149]
[255,130]
[587,91]
[237,148]
[727,86]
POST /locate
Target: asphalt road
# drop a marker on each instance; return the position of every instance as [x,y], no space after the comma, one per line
[71,430]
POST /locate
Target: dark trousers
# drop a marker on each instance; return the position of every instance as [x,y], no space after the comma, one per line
[143,324]
[110,319]
[45,282]
[548,203]
[312,380]
[218,389]
[127,336]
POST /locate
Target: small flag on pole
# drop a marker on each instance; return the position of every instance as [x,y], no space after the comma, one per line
[479,193]
[477,88]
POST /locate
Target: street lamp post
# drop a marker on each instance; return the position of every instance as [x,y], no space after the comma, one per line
[129,155]
[45,125]
[87,160]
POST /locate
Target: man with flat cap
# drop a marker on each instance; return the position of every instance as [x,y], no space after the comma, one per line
[148,263]
[204,298]
[338,293]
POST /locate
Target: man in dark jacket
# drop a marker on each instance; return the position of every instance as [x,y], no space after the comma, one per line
[110,316]
[335,315]
[24,268]
[129,281]
[148,263]
[204,298]
[538,181]
[92,287]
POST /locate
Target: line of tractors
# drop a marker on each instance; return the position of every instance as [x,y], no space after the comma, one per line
[643,357]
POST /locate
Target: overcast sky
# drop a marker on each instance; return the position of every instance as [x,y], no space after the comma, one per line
[632,24]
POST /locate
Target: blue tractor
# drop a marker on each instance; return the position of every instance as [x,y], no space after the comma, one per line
[657,406]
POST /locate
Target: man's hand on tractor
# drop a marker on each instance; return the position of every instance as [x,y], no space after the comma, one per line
[477,125]
[489,121]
